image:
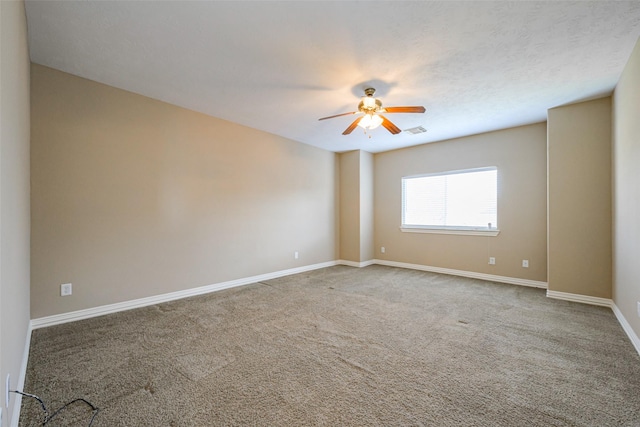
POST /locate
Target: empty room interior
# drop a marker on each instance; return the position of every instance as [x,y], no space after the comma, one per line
[320,213]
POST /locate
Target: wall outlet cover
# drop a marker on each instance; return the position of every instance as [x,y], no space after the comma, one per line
[492,260]
[65,289]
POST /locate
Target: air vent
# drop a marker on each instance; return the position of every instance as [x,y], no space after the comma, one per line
[416,130]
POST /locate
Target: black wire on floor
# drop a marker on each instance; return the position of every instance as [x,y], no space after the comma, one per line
[48,417]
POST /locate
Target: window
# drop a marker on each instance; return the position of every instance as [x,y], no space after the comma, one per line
[458,202]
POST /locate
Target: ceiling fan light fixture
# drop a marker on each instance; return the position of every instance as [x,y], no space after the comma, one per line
[370,121]
[376,121]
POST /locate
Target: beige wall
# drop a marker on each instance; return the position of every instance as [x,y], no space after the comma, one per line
[579,168]
[626,191]
[133,197]
[14,195]
[350,206]
[520,155]
[356,206]
[366,206]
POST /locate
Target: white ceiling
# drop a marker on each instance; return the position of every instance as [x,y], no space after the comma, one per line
[279,66]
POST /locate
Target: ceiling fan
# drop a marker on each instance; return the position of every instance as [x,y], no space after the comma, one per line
[372,109]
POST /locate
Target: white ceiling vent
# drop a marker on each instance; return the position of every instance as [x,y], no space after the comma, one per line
[416,130]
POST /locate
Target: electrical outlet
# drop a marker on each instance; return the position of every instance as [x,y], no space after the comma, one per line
[525,263]
[382,249]
[492,260]
[296,255]
[65,290]
[638,308]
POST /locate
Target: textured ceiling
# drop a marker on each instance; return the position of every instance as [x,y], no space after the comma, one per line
[279,66]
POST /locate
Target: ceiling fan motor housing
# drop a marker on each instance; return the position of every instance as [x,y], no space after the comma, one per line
[369,104]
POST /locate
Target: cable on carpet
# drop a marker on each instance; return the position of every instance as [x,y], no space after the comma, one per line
[48,416]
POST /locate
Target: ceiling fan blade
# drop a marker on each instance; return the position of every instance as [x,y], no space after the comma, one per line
[389,126]
[338,115]
[404,109]
[351,127]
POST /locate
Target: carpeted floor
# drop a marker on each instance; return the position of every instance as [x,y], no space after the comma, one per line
[376,346]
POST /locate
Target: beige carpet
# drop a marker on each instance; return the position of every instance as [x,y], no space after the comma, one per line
[376,346]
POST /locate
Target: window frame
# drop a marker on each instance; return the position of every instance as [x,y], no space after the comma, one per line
[437,229]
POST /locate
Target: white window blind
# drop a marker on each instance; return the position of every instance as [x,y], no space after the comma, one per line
[465,200]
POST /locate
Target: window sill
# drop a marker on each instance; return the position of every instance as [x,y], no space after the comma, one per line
[459,231]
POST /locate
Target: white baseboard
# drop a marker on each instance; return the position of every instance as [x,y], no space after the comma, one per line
[627,327]
[585,299]
[157,299]
[355,264]
[463,273]
[17,402]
